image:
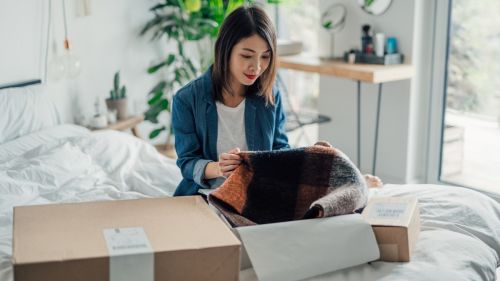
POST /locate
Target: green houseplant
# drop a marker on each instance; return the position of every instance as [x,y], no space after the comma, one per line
[118,98]
[190,26]
[194,23]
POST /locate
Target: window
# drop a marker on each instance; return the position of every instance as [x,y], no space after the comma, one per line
[470,154]
[299,20]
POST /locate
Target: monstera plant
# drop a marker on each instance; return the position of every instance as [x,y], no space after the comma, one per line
[189,28]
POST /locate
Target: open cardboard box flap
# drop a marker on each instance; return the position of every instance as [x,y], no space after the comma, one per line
[302,249]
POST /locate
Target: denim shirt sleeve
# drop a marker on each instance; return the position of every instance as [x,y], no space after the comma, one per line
[280,140]
[187,145]
[199,172]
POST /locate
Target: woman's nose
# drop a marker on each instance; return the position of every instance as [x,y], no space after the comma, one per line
[255,65]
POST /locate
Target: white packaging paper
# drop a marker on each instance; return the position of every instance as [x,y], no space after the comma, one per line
[301,249]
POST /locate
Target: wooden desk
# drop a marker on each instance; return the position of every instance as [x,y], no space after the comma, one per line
[371,73]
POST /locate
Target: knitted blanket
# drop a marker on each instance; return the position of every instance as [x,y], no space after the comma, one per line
[284,185]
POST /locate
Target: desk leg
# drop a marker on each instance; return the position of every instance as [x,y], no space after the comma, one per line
[375,147]
[359,126]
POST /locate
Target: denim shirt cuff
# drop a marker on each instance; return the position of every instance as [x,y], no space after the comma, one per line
[199,172]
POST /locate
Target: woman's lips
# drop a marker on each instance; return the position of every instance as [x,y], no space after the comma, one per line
[251,77]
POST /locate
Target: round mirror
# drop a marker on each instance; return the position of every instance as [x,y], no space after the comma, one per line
[375,7]
[333,20]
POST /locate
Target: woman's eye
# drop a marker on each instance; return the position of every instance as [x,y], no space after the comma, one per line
[246,56]
[266,57]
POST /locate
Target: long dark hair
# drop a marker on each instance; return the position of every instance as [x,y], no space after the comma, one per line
[244,22]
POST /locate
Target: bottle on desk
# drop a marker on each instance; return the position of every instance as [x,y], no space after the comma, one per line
[366,40]
[392,45]
[380,44]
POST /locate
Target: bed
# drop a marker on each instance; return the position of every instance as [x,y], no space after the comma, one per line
[43,161]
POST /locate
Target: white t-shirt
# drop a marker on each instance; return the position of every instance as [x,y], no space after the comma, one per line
[231,127]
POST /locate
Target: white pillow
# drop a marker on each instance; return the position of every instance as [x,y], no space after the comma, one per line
[25,110]
[15,148]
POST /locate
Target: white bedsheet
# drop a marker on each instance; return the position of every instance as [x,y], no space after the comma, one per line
[460,238]
[69,164]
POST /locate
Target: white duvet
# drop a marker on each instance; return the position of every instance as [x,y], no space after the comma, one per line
[460,237]
[67,163]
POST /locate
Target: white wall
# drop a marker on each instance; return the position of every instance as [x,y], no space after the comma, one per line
[105,41]
[21,40]
[424,60]
[338,96]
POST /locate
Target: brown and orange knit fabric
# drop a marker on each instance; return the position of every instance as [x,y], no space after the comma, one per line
[285,185]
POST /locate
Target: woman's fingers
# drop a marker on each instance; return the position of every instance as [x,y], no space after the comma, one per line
[373,181]
[230,162]
[228,168]
[229,156]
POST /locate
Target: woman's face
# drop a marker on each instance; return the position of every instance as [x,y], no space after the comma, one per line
[249,59]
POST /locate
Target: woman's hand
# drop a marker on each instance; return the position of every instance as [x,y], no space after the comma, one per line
[373,181]
[229,161]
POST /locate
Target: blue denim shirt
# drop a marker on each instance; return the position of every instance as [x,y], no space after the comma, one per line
[194,120]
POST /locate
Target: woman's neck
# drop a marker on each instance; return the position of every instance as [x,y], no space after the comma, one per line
[234,98]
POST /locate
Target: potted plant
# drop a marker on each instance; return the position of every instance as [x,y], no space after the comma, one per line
[118,98]
[192,23]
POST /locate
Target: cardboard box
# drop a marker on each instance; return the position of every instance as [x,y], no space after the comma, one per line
[147,239]
[301,249]
[396,224]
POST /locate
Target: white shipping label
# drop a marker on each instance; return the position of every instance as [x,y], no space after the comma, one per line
[131,255]
[388,210]
[125,241]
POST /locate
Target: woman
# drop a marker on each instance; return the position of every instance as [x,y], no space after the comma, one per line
[232,107]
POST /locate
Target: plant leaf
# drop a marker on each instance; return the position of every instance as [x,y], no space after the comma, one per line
[117,81]
[155,68]
[170,59]
[158,87]
[153,22]
[123,92]
[191,67]
[157,97]
[156,132]
[158,6]
[152,113]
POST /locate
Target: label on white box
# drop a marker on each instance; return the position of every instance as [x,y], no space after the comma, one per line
[131,255]
[394,211]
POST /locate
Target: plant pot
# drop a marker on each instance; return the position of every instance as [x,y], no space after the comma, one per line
[120,105]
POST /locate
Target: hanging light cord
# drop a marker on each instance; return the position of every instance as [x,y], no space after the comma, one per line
[49,19]
[66,41]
